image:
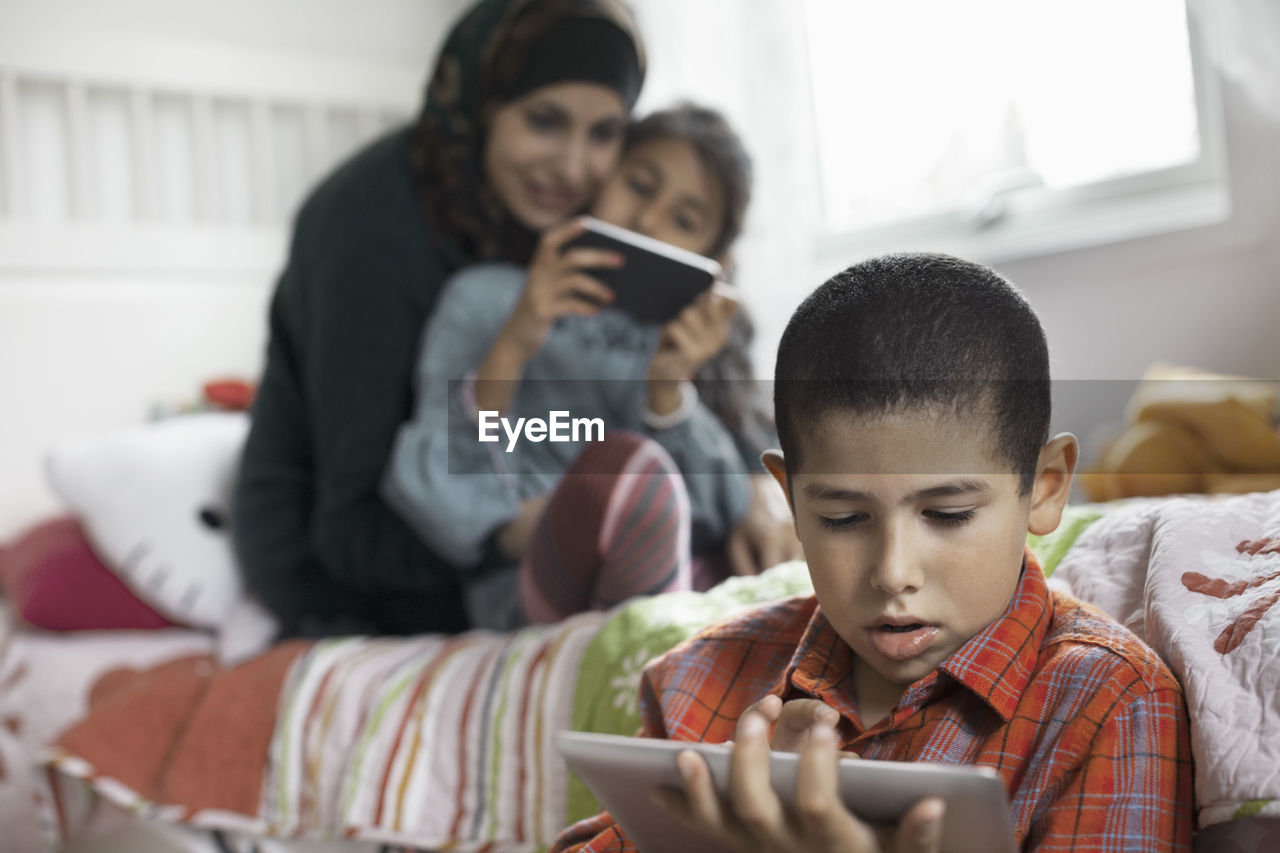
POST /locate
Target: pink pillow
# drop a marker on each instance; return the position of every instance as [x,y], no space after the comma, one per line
[57,582]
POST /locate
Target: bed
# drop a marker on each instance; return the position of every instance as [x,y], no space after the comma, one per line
[437,742]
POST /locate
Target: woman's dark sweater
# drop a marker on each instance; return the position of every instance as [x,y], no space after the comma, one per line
[315,541]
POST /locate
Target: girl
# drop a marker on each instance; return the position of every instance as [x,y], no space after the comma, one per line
[526,343]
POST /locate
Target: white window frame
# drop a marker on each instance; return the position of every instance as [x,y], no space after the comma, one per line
[1035,221]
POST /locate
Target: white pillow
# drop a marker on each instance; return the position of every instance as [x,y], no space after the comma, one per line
[155,501]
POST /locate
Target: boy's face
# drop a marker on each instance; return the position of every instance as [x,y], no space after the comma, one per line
[914,533]
[663,191]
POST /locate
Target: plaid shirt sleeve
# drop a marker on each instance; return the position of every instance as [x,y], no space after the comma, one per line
[594,835]
[1133,791]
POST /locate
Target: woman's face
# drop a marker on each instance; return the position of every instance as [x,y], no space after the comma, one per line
[663,191]
[549,151]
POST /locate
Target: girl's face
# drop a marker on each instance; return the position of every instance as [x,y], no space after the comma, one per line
[548,152]
[663,191]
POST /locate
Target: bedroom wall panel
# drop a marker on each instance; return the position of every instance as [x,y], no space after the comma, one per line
[151,156]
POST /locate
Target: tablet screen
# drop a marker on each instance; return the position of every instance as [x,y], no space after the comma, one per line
[621,771]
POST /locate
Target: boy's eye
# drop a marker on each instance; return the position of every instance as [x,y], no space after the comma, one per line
[950,519]
[843,522]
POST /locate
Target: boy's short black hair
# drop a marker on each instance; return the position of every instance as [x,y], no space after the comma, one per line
[908,331]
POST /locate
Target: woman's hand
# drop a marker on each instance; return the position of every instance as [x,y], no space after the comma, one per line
[752,818]
[557,285]
[766,536]
[688,342]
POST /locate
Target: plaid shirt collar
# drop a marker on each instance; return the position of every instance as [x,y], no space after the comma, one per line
[995,665]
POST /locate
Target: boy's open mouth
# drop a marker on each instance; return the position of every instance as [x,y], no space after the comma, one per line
[901,641]
[901,629]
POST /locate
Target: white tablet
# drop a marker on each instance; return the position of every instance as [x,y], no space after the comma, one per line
[621,772]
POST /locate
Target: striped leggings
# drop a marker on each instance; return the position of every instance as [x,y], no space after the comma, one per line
[616,526]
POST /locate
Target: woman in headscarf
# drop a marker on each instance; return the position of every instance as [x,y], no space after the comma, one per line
[524,117]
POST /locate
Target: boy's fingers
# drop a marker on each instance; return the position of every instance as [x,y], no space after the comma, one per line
[755,806]
[769,707]
[798,718]
[921,830]
[698,806]
[822,815]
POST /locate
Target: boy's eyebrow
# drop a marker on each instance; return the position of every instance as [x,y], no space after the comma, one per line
[824,492]
[946,490]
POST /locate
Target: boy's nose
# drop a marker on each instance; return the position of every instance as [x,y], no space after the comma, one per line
[896,570]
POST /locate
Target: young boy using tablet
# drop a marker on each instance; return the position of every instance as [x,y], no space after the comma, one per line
[912,401]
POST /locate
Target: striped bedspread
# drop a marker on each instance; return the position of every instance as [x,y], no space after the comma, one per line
[431,741]
[427,740]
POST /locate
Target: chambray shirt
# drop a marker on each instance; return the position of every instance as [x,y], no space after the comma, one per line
[1081,719]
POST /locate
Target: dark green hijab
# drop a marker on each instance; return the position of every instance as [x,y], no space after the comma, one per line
[478,70]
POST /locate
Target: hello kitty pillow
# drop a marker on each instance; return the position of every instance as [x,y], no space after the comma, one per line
[154,500]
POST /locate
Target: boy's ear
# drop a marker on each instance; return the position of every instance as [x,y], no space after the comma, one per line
[777,467]
[1052,488]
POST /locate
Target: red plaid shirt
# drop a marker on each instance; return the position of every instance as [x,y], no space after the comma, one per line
[1082,720]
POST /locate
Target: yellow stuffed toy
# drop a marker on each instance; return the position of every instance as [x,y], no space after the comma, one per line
[1190,431]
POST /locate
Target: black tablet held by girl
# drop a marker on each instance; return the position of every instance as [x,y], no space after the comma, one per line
[657,280]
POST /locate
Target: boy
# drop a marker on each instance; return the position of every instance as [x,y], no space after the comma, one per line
[912,401]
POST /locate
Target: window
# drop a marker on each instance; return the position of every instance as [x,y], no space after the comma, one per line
[1000,128]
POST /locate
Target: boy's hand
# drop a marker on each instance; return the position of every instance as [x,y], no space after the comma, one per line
[752,818]
[557,285]
[792,721]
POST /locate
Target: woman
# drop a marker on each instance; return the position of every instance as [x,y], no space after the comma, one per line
[524,117]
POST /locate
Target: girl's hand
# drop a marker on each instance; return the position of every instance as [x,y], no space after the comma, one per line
[693,337]
[557,285]
[513,538]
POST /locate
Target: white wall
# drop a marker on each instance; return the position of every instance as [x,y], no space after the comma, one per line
[1208,297]
[95,331]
